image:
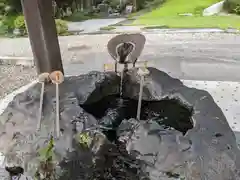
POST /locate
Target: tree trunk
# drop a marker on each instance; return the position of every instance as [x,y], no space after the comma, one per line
[134,5]
[82,5]
[89,4]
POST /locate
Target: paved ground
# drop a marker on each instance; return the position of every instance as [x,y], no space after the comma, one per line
[12,78]
[92,25]
[227,96]
[194,56]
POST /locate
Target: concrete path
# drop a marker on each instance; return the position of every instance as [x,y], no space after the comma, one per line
[92,25]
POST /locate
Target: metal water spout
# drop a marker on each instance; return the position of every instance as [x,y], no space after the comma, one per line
[123,51]
[126,49]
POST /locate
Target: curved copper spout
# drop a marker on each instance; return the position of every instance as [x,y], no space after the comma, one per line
[123,51]
[126,48]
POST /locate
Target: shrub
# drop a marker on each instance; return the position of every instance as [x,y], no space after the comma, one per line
[20,26]
[81,16]
[8,23]
[198,10]
[19,23]
[232,6]
[114,4]
[62,27]
[77,16]
[149,3]
[10,7]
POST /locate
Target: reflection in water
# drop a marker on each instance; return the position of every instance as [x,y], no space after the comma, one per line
[121,83]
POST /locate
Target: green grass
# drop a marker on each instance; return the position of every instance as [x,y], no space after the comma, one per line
[222,22]
[175,7]
[168,15]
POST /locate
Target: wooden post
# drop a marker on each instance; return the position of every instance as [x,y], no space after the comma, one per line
[43,35]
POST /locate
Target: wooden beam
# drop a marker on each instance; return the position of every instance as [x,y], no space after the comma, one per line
[43,35]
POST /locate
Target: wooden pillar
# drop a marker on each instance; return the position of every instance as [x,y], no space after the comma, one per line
[43,35]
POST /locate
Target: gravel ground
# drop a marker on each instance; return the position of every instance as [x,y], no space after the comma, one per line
[13,77]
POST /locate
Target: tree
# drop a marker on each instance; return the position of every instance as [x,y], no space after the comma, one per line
[135,7]
[13,6]
[232,6]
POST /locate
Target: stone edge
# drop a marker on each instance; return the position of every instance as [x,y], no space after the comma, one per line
[3,105]
[7,99]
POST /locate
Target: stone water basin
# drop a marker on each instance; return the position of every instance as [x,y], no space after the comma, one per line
[182,134]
